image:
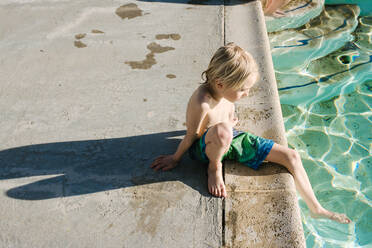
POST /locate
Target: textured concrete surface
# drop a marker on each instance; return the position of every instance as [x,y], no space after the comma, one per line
[91,92]
[262,208]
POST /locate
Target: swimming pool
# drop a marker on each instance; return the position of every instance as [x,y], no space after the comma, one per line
[324,75]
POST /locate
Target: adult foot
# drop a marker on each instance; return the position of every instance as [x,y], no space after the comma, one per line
[325,214]
[216,186]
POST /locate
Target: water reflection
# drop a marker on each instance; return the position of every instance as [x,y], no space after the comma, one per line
[324,76]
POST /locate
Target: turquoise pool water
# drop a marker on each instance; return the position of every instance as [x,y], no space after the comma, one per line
[324,75]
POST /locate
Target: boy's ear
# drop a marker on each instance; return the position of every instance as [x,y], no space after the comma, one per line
[219,84]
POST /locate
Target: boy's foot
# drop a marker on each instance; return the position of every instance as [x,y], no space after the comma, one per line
[216,186]
[325,214]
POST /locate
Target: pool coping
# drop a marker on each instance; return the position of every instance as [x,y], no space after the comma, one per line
[270,191]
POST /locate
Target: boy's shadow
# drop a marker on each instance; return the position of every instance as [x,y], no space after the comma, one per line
[83,167]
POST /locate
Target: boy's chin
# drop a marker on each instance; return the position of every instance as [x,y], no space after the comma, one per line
[232,100]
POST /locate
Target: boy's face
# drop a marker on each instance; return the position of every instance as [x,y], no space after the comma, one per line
[234,95]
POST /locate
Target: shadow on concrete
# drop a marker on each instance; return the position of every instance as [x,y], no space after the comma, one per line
[84,167]
[202,2]
[265,169]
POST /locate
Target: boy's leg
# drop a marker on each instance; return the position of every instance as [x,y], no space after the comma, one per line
[290,159]
[217,140]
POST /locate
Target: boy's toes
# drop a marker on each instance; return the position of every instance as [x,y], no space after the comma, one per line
[223,193]
[214,191]
[218,192]
[341,218]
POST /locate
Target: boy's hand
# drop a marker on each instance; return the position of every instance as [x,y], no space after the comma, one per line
[235,121]
[164,162]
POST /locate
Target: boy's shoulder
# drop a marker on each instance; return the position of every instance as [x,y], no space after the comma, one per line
[201,98]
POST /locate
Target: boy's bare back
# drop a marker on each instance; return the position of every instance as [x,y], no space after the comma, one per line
[203,112]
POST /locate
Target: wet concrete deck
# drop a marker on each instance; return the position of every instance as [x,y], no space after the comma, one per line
[91,92]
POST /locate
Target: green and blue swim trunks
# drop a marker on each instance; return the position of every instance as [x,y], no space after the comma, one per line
[245,148]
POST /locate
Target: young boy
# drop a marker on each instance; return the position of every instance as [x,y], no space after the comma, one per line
[210,136]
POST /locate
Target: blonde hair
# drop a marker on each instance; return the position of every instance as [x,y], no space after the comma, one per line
[231,64]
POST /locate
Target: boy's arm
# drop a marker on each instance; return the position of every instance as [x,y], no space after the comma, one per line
[194,117]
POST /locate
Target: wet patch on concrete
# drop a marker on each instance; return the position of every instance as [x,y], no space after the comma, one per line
[96,31]
[168,36]
[150,57]
[171,76]
[145,99]
[80,36]
[79,44]
[144,64]
[156,48]
[144,203]
[129,11]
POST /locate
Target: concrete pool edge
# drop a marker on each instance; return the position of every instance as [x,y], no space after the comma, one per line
[270,192]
